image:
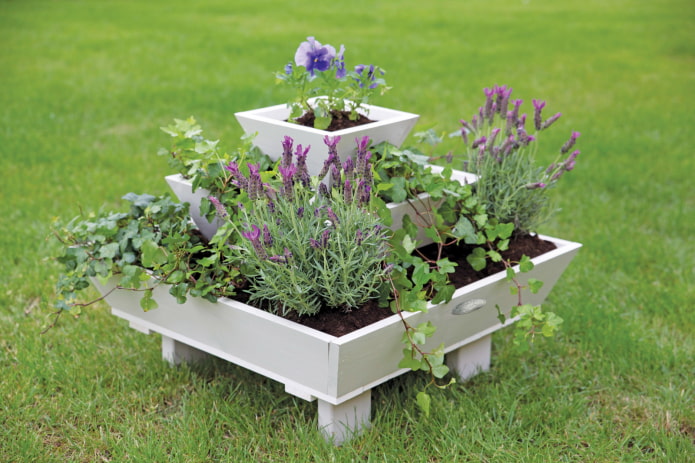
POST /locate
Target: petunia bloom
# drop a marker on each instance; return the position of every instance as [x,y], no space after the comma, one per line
[314,56]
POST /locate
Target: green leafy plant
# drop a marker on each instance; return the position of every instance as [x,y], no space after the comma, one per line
[319,71]
[153,243]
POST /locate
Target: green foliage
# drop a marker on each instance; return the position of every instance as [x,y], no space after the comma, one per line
[153,243]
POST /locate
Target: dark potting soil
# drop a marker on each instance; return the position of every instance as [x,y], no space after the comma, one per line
[337,322]
[341,120]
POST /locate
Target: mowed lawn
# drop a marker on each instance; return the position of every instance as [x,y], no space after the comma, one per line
[84,88]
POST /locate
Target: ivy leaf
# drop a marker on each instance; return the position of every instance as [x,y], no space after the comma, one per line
[440,371]
[525,264]
[464,230]
[153,255]
[147,302]
[423,401]
[427,328]
[534,285]
[477,259]
[109,251]
[446,266]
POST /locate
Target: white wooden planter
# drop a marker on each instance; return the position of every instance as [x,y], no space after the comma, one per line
[183,189]
[338,371]
[270,126]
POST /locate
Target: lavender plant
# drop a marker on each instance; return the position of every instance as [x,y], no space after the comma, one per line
[307,244]
[499,149]
[318,70]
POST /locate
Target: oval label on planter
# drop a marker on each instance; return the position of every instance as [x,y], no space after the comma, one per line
[468,306]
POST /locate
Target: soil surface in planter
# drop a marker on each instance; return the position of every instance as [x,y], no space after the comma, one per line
[338,323]
[341,120]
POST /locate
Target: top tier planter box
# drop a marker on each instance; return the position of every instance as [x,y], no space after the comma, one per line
[270,125]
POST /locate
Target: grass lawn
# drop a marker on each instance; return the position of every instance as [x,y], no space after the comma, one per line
[84,88]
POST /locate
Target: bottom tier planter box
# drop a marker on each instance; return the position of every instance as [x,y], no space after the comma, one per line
[339,372]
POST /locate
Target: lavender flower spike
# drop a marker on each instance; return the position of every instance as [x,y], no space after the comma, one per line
[538,106]
[219,208]
[570,143]
[550,121]
[287,143]
[534,186]
[254,236]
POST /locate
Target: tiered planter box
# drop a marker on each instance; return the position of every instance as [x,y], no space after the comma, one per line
[339,372]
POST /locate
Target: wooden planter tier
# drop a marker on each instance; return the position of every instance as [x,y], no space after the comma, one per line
[338,371]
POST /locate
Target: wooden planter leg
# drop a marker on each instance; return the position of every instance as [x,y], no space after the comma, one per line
[341,422]
[176,352]
[471,359]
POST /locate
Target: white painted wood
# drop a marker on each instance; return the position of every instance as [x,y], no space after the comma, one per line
[471,359]
[312,364]
[176,352]
[271,126]
[183,189]
[341,422]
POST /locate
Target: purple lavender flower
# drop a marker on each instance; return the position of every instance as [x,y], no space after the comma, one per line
[364,191]
[550,121]
[332,216]
[491,141]
[358,237]
[287,143]
[255,185]
[538,106]
[570,143]
[347,191]
[570,161]
[349,169]
[253,236]
[503,94]
[489,99]
[314,56]
[302,173]
[479,141]
[219,208]
[238,178]
[267,238]
[287,174]
[331,142]
[534,186]
[300,212]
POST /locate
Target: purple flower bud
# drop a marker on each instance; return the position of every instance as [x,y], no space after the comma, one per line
[288,68]
[479,141]
[335,173]
[339,63]
[534,186]
[302,173]
[364,190]
[331,142]
[491,141]
[237,178]
[219,208]
[255,186]
[538,106]
[332,216]
[323,190]
[358,237]
[267,239]
[570,143]
[347,191]
[287,174]
[487,112]
[570,161]
[287,143]
[300,212]
[254,236]
[550,121]
[324,238]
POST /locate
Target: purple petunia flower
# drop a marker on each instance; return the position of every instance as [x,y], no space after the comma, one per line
[314,56]
[370,77]
[339,63]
